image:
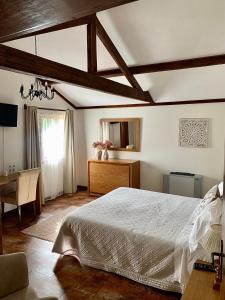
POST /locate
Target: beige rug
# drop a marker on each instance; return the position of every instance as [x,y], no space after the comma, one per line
[49,228]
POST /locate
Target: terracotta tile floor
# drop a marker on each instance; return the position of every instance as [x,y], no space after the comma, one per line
[70,281]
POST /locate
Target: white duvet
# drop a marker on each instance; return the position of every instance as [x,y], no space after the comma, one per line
[138,234]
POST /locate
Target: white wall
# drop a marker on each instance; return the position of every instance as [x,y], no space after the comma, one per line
[14,137]
[160,152]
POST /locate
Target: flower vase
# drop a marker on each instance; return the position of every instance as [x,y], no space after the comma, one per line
[99,154]
[106,154]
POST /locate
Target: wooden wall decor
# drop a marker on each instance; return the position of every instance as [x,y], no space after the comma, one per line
[22,17]
[193,132]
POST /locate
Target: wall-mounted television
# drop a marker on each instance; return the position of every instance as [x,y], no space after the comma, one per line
[8,115]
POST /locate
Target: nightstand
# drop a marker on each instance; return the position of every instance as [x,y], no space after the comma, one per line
[200,287]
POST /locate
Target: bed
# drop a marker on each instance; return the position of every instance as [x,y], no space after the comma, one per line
[139,234]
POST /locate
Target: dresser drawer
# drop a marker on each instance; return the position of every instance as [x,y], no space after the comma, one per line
[104,178]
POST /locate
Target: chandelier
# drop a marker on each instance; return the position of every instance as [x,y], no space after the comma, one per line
[37,89]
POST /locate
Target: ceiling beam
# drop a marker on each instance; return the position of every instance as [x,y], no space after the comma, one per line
[107,42]
[19,61]
[168,66]
[184,102]
[73,23]
[92,46]
[22,17]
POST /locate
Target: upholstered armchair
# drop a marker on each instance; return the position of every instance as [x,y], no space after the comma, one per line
[26,187]
[14,281]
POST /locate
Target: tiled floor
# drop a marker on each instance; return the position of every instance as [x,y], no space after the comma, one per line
[70,281]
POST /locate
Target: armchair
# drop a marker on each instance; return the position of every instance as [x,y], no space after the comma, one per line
[14,281]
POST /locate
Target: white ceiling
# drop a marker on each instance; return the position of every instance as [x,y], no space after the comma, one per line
[144,32]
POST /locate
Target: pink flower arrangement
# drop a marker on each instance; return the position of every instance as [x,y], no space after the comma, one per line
[100,145]
[107,144]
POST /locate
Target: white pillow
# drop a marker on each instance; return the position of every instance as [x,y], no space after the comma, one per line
[220,188]
[210,215]
[211,195]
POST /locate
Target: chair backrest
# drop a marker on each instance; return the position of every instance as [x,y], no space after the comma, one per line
[27,185]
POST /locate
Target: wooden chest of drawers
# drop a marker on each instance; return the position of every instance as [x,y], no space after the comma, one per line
[105,176]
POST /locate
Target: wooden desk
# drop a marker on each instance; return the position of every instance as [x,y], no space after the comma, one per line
[200,287]
[11,178]
[3,181]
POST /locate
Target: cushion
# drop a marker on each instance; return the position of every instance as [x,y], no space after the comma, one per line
[210,215]
[210,196]
[220,188]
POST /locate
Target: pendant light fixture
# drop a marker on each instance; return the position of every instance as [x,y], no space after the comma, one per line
[37,89]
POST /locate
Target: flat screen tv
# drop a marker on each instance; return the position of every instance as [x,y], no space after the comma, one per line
[8,115]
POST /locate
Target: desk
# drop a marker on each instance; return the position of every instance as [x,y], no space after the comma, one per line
[200,287]
[4,180]
[11,178]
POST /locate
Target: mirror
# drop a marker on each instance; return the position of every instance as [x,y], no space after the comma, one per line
[123,133]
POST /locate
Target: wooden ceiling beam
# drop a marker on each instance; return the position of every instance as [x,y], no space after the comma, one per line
[73,23]
[92,46]
[22,17]
[107,42]
[168,66]
[19,61]
[184,102]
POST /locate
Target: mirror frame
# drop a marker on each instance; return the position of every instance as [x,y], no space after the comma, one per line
[137,122]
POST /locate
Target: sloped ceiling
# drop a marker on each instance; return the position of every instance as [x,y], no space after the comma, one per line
[147,31]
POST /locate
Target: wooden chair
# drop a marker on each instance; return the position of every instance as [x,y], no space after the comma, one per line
[26,187]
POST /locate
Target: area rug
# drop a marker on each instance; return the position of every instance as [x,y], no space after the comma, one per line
[49,228]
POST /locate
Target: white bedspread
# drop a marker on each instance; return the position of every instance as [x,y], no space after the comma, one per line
[138,234]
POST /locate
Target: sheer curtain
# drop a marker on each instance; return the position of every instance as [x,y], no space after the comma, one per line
[51,134]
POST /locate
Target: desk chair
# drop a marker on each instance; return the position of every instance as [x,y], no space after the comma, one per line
[14,281]
[26,187]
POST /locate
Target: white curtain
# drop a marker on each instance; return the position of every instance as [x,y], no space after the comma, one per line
[51,129]
[70,185]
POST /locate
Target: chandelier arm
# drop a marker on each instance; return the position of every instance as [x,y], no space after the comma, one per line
[37,89]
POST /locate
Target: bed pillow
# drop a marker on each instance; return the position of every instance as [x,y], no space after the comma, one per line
[210,215]
[220,188]
[210,196]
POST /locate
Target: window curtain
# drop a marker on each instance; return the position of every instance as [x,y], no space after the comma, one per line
[32,144]
[70,185]
[51,127]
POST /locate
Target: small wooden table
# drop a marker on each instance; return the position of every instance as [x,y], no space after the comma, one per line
[11,178]
[200,287]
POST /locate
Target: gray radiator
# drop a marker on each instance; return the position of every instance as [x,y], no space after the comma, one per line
[183,185]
